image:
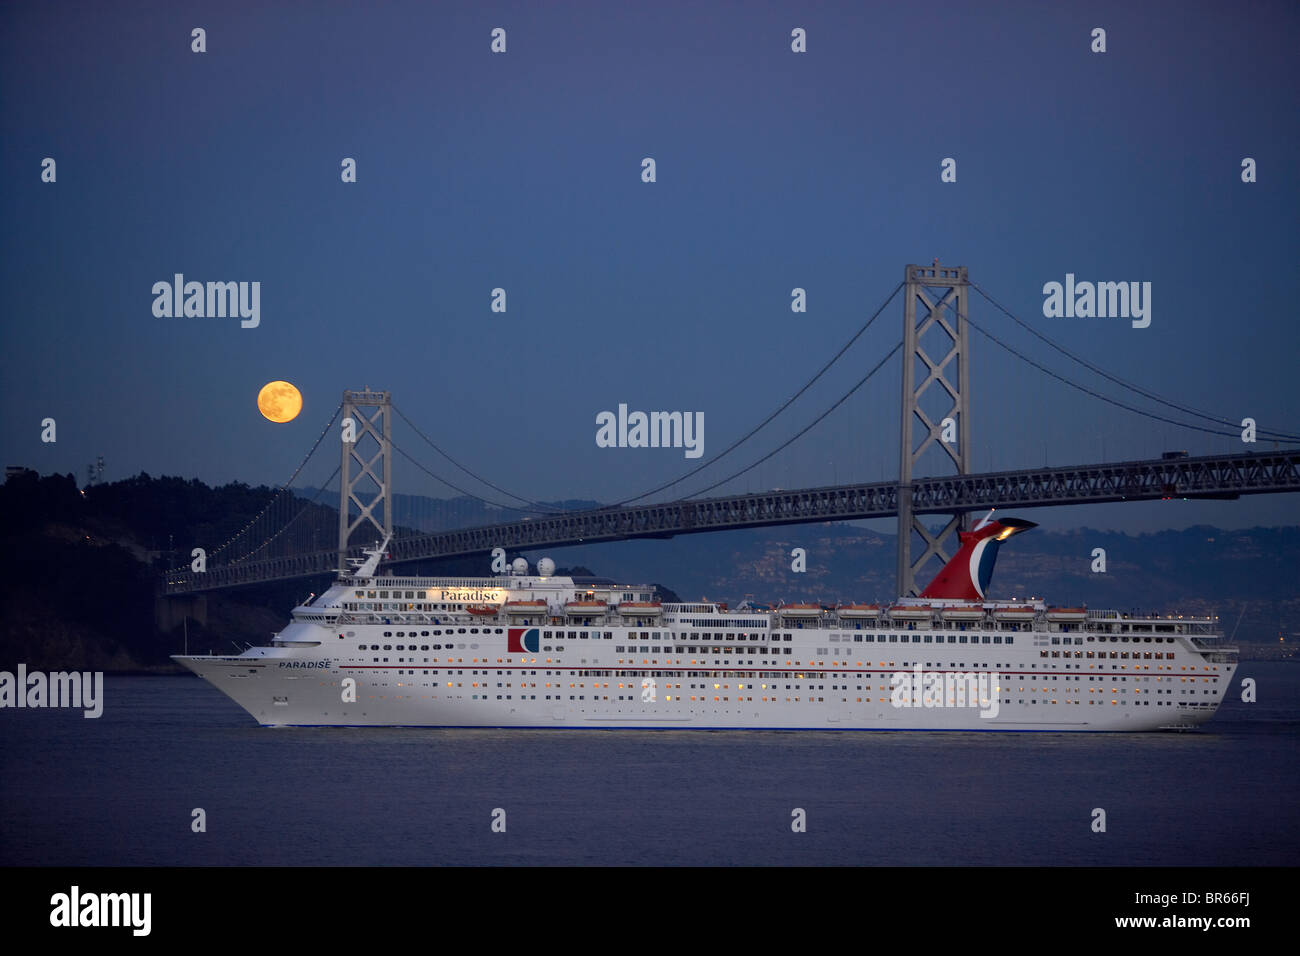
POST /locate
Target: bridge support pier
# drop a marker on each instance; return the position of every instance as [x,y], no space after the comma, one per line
[170,610]
[943,292]
[371,450]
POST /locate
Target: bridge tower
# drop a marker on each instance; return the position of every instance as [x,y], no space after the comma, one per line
[371,415]
[938,326]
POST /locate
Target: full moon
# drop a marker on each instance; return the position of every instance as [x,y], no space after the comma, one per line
[279,401]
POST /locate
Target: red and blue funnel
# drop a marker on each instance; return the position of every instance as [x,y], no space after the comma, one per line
[967,575]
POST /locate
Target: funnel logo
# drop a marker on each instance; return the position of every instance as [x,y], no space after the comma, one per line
[967,575]
[523,640]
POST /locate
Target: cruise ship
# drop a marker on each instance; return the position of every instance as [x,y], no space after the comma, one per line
[547,650]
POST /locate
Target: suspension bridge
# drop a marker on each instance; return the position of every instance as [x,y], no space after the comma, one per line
[295,537]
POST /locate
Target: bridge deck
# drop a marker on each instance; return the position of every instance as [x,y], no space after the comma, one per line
[1211,476]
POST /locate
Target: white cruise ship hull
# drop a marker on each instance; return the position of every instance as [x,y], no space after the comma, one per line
[511,651]
[599,681]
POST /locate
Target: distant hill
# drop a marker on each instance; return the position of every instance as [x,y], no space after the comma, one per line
[446,514]
[80,569]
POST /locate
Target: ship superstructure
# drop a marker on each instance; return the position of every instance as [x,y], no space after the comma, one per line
[547,650]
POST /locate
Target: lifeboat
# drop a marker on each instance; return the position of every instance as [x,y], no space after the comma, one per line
[531,608]
[1067,614]
[911,612]
[963,612]
[1014,613]
[854,611]
[641,608]
[801,611]
[585,608]
[482,610]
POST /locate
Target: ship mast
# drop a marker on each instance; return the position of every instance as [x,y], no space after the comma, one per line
[366,568]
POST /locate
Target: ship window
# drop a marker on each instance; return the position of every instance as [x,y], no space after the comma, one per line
[388,647]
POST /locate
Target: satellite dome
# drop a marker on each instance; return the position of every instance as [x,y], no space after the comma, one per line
[546,567]
[519,566]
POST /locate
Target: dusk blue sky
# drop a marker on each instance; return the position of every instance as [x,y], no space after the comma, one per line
[522,170]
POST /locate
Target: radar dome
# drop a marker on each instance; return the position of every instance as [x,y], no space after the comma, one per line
[546,567]
[519,566]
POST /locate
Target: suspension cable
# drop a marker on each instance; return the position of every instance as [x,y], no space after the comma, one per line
[1119,381]
[753,431]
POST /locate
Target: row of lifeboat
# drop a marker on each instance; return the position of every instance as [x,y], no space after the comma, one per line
[640,609]
[797,612]
[925,612]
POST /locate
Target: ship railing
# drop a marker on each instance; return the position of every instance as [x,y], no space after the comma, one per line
[434,618]
[476,584]
[1147,617]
